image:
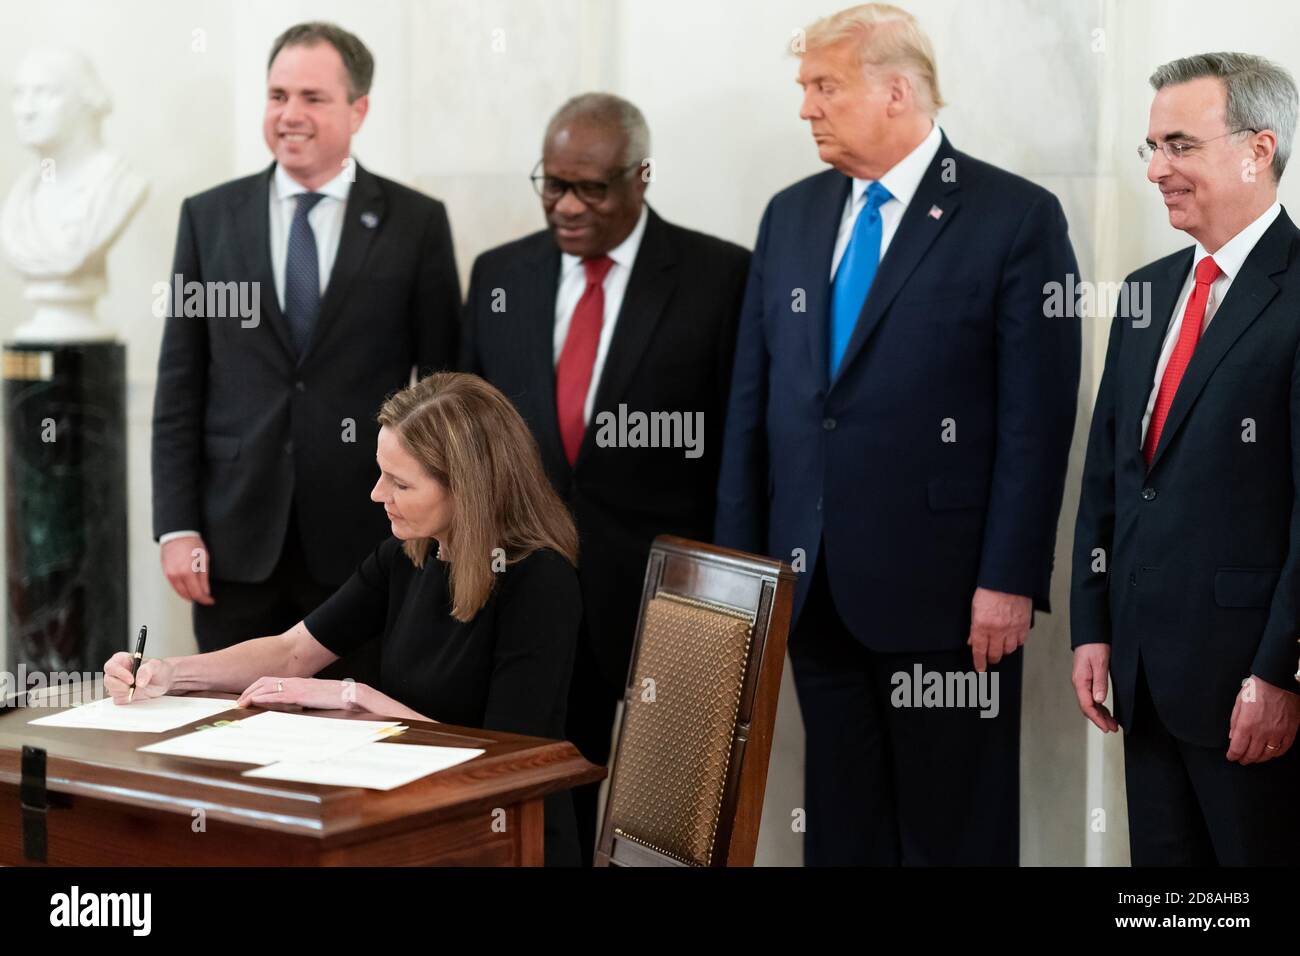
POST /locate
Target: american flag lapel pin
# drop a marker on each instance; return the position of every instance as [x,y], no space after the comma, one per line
[935,212]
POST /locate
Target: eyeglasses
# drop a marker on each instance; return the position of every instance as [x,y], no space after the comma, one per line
[590,192]
[1176,151]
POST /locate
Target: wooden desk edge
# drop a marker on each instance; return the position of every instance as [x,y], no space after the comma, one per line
[552,766]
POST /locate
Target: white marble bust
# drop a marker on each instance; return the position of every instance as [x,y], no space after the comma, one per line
[63,214]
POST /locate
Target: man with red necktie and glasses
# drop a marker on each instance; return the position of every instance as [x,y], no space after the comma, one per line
[1186,586]
[608,315]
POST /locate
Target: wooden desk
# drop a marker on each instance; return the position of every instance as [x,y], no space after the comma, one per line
[113,806]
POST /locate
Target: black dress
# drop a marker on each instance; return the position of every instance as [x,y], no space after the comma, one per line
[506,669]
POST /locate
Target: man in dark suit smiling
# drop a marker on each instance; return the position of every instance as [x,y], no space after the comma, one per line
[264,430]
[1187,547]
[610,316]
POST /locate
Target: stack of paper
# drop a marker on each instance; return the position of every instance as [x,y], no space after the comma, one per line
[374,765]
[151,716]
[299,747]
[274,736]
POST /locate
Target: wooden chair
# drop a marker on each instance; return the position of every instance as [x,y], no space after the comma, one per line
[688,775]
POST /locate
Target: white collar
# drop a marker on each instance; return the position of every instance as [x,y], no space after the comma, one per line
[903,179]
[286,187]
[624,253]
[1232,254]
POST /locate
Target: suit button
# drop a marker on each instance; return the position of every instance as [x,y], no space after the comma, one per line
[1148,494]
[288,448]
[828,424]
[300,386]
[1133,580]
[819,504]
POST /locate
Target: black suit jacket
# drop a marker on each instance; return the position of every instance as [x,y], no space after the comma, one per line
[243,430]
[1202,553]
[671,351]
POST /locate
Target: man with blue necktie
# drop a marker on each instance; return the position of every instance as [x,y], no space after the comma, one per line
[900,418]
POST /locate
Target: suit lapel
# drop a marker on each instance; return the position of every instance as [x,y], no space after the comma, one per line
[821,227]
[916,232]
[1252,289]
[644,299]
[253,226]
[540,286]
[363,218]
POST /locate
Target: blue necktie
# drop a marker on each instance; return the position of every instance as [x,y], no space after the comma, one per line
[302,274]
[856,270]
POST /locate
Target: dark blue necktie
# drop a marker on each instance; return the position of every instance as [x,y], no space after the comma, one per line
[856,270]
[302,274]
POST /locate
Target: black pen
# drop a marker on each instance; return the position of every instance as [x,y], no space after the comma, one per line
[136,658]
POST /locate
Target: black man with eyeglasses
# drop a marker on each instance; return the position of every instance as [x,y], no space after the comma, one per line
[613,333]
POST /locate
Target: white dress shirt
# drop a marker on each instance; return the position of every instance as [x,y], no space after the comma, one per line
[1229,259]
[573,282]
[902,181]
[326,219]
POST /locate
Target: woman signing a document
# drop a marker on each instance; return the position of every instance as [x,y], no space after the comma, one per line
[475,595]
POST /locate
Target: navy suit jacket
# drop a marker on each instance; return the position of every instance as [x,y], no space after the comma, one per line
[935,461]
[1201,569]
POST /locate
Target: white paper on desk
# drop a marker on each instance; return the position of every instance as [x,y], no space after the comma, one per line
[374,765]
[151,716]
[273,736]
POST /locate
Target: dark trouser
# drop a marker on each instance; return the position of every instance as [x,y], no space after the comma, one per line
[887,785]
[244,611]
[588,725]
[1190,806]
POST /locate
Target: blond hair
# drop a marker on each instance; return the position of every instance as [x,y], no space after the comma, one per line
[469,438]
[886,37]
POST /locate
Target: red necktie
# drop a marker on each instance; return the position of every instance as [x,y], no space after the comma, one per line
[1207,270]
[578,357]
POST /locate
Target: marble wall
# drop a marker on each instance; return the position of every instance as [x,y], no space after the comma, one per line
[1052,89]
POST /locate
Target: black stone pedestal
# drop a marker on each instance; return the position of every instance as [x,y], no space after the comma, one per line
[65,505]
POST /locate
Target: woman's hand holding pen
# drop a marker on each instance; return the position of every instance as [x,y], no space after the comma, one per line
[153,679]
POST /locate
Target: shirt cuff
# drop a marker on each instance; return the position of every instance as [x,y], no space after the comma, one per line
[173,535]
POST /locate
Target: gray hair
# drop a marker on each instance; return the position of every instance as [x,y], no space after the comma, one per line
[606,109]
[1261,95]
